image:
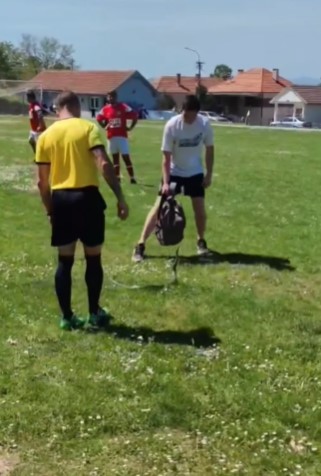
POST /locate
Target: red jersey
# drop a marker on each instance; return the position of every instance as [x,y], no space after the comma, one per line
[35,114]
[116,116]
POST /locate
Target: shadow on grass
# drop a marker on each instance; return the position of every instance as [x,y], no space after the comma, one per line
[143,287]
[147,185]
[214,257]
[202,337]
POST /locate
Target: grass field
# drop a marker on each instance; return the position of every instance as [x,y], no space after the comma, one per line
[158,395]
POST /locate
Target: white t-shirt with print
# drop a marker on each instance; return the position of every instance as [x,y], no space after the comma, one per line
[186,142]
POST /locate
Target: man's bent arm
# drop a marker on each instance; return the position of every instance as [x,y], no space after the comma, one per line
[42,124]
[44,186]
[133,124]
[106,167]
[209,160]
[134,118]
[101,119]
[131,115]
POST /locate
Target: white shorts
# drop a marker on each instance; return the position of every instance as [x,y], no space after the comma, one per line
[34,135]
[118,145]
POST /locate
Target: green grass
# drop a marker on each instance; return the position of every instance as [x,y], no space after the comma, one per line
[110,404]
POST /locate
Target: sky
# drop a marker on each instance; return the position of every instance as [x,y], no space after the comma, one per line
[150,35]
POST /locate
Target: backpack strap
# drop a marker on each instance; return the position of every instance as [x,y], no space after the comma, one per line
[161,203]
[172,189]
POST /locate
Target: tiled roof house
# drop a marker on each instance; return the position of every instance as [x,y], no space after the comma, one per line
[250,92]
[92,86]
[179,86]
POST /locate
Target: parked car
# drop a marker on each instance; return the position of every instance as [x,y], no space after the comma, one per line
[291,122]
[153,115]
[214,117]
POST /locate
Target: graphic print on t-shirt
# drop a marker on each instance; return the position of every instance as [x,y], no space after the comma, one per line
[191,142]
[115,122]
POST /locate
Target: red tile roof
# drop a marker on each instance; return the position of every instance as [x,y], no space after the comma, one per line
[82,82]
[253,81]
[310,94]
[186,85]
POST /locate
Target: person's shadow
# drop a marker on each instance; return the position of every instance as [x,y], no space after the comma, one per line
[235,258]
[202,337]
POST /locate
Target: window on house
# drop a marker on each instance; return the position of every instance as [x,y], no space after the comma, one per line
[94,103]
[251,101]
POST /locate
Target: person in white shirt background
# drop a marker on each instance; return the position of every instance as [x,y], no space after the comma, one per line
[184,137]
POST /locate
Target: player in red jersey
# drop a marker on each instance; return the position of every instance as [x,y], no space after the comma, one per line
[114,117]
[37,123]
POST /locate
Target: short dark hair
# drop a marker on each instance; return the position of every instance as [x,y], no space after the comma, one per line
[67,99]
[191,103]
[113,94]
[31,94]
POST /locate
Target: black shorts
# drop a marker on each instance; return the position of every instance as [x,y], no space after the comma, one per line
[78,214]
[189,186]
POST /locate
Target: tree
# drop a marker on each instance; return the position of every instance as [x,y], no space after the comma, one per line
[222,71]
[201,93]
[45,53]
[165,101]
[33,55]
[10,61]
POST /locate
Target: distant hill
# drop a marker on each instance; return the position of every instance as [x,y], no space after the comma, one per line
[305,80]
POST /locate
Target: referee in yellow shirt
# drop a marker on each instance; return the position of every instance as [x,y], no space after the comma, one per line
[69,155]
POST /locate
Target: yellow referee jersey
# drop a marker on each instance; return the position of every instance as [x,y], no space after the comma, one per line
[66,146]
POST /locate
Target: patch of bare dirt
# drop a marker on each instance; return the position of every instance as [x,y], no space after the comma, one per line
[7,464]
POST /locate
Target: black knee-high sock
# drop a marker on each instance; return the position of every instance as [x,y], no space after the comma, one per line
[94,279]
[63,284]
[116,162]
[129,166]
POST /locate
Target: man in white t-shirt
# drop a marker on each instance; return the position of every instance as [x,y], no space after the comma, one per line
[184,137]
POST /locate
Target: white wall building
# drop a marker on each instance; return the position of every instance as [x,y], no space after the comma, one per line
[301,101]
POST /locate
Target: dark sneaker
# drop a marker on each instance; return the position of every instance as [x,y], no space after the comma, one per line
[133,181]
[139,253]
[72,324]
[202,247]
[99,320]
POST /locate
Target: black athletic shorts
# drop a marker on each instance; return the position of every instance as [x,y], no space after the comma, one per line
[189,186]
[78,214]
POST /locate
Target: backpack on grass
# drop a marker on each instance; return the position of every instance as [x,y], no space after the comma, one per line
[171,222]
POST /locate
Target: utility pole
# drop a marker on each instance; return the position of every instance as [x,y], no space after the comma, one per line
[199,65]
